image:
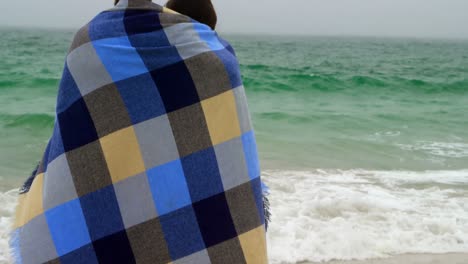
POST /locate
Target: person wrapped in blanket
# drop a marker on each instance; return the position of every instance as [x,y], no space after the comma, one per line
[153,157]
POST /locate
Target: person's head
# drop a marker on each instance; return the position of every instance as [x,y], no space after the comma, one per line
[200,10]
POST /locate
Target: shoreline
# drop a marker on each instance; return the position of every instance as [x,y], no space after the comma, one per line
[448,258]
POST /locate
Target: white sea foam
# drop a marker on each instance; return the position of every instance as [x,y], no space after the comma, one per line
[442,149]
[324,215]
[356,214]
[381,134]
[7,206]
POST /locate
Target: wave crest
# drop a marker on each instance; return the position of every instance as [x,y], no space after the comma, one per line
[27,120]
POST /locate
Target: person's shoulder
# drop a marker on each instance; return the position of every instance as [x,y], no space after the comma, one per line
[97,24]
[80,38]
[227,45]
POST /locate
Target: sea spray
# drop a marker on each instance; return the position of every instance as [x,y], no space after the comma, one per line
[322,215]
[8,202]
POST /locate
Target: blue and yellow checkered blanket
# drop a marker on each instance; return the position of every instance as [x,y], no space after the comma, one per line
[153,157]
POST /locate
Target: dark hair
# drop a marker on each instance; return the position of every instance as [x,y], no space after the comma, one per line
[200,10]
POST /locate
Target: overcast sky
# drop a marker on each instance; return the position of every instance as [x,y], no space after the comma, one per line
[406,18]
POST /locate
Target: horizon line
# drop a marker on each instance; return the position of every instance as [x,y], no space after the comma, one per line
[266,34]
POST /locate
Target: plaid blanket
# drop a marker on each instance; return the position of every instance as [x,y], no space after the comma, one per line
[153,157]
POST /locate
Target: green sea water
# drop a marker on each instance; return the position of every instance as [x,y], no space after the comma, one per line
[316,102]
[363,141]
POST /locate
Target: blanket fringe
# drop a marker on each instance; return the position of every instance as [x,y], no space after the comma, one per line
[27,185]
[266,208]
[266,205]
[13,247]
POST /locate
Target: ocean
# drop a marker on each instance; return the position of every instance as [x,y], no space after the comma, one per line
[363,141]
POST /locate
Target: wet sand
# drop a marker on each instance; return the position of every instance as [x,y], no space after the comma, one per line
[455,258]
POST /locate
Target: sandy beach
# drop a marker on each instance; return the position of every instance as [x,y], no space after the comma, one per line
[453,258]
